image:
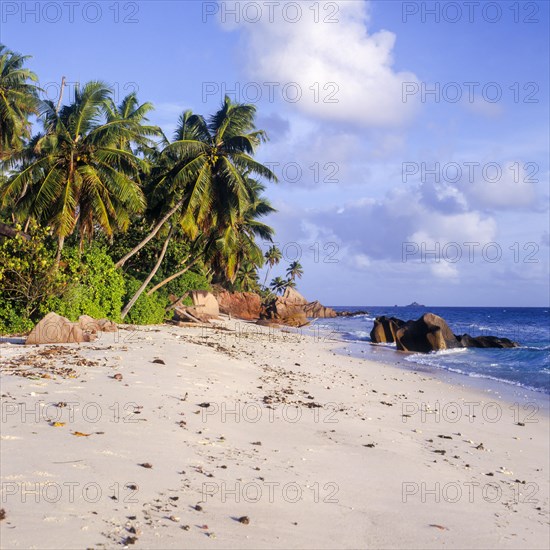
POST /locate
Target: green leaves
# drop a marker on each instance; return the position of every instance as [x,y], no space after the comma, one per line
[28,277]
[100,167]
[18,100]
[81,173]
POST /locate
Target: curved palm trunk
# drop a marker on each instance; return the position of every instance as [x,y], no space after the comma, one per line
[266,275]
[172,277]
[135,297]
[60,94]
[151,235]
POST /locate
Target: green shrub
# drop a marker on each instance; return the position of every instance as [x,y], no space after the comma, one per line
[13,320]
[97,288]
[28,279]
[148,310]
[188,281]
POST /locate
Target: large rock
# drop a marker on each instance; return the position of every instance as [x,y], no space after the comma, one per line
[385,329]
[107,326]
[244,305]
[316,309]
[352,313]
[55,329]
[288,309]
[292,296]
[297,304]
[205,303]
[429,333]
[93,326]
[467,341]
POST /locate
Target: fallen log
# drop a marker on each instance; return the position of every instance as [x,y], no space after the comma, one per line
[10,232]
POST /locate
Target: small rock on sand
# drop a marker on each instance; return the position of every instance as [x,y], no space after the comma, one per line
[245,520]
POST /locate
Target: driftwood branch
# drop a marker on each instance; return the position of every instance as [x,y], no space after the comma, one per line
[8,231]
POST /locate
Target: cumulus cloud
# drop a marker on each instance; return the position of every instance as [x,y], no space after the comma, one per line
[445,270]
[344,72]
[382,229]
[510,185]
[480,185]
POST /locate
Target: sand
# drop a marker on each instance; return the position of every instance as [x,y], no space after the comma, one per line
[165,437]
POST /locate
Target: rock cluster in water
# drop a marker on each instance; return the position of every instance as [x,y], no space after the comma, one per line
[429,333]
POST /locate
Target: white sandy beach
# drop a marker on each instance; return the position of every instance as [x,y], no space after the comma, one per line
[313,447]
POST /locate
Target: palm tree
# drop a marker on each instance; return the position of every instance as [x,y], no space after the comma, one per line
[278,285]
[272,257]
[76,175]
[294,270]
[231,252]
[247,277]
[202,175]
[18,101]
[134,116]
[236,245]
[290,283]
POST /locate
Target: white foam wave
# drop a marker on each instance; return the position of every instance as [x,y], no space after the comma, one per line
[359,333]
[450,351]
[429,360]
[385,344]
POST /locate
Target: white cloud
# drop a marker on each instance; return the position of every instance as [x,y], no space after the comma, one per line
[361,261]
[367,90]
[507,185]
[445,270]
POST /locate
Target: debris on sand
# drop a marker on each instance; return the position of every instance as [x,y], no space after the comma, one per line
[440,527]
[245,520]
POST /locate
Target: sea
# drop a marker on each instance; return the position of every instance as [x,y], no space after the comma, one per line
[524,368]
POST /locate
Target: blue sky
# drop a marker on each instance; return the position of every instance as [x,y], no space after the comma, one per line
[367,198]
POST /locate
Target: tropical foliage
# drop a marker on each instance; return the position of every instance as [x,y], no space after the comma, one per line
[101,214]
[18,101]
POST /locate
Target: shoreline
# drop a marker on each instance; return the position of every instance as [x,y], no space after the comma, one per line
[503,389]
[221,414]
[513,380]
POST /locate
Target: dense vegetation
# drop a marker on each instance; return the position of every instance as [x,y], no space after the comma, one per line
[100,213]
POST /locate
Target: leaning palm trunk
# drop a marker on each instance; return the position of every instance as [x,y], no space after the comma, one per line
[174,276]
[266,275]
[134,299]
[60,244]
[151,235]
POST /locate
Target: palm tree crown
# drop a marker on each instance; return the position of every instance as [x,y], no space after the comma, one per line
[278,285]
[18,100]
[294,270]
[209,166]
[272,257]
[78,174]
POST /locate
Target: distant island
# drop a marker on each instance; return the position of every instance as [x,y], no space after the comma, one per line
[415,304]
